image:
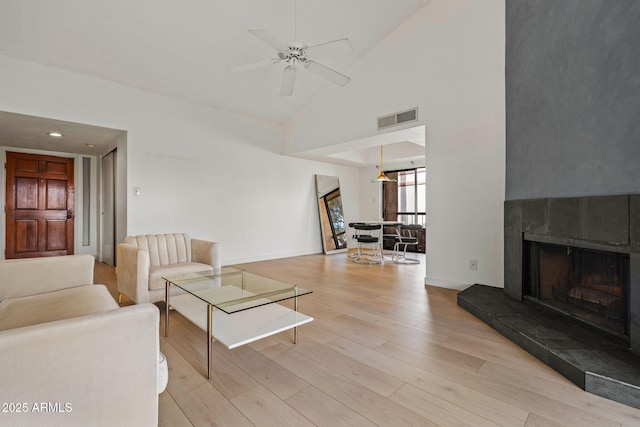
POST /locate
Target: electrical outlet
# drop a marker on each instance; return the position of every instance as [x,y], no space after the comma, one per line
[473,264]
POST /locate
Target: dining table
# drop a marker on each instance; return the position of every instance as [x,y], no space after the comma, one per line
[383,223]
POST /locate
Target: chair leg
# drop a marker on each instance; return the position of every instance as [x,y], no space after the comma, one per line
[356,255]
[361,253]
[402,259]
[411,260]
[396,252]
[374,258]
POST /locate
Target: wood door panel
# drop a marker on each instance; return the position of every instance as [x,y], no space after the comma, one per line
[56,197]
[26,236]
[56,235]
[26,165]
[25,214]
[40,200]
[56,168]
[26,194]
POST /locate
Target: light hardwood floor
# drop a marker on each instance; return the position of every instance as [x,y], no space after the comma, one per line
[383,350]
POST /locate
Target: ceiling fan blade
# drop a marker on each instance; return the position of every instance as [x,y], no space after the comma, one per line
[332,48]
[252,66]
[288,81]
[323,71]
[270,40]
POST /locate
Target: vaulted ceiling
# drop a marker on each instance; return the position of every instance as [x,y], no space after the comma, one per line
[186,49]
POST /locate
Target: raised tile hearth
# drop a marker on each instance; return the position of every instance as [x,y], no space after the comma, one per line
[571,292]
[598,363]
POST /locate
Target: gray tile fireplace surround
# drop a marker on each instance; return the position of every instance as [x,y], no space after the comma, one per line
[601,363]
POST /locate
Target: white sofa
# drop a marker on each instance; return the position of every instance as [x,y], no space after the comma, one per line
[143,260]
[69,355]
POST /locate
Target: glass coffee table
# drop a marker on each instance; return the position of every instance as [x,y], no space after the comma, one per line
[233,306]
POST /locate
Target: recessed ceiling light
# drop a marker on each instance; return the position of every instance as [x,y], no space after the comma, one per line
[55,134]
[91,145]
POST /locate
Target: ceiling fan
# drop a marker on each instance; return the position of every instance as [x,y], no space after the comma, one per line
[296,54]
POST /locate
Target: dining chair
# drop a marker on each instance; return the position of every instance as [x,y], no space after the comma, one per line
[390,236]
[355,233]
[407,236]
[368,234]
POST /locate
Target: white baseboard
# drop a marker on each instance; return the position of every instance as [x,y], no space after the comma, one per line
[267,257]
[440,283]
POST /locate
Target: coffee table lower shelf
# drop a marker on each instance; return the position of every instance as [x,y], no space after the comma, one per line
[243,327]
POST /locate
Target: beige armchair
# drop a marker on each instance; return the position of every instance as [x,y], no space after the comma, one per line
[143,260]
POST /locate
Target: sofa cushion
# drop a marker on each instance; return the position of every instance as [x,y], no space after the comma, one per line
[32,276]
[156,273]
[58,305]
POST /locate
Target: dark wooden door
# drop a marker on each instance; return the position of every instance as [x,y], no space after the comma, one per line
[40,196]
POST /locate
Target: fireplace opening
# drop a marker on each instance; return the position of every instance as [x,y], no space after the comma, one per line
[588,284]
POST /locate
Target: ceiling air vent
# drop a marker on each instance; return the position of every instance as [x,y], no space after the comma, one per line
[398,118]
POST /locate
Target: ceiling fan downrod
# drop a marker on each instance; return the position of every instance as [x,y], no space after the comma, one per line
[294,19]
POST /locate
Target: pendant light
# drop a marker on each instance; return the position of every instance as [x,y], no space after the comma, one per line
[381,176]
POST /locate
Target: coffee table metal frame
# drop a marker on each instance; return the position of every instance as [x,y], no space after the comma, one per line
[234,292]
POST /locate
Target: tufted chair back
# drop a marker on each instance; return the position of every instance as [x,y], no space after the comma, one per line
[164,249]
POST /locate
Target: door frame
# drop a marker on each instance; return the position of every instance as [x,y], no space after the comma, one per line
[108,208]
[77,204]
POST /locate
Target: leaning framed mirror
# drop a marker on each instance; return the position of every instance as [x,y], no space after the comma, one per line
[331,212]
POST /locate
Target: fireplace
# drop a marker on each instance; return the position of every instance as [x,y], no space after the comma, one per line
[571,292]
[590,285]
[589,248]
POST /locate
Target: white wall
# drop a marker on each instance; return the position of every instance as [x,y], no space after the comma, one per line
[203,171]
[448,60]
